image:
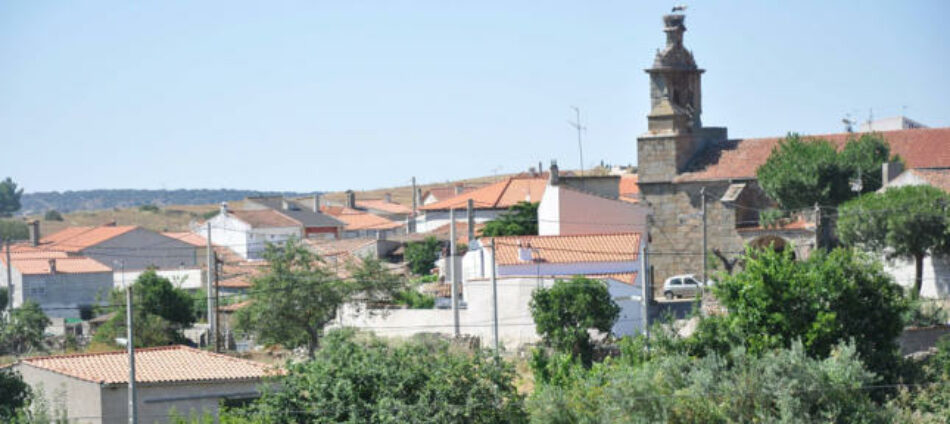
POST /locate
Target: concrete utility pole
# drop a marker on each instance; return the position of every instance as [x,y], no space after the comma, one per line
[451,258]
[644,299]
[210,289]
[214,283]
[9,278]
[470,210]
[494,296]
[702,193]
[130,344]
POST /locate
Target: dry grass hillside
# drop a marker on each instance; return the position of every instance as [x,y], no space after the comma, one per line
[169,218]
[403,194]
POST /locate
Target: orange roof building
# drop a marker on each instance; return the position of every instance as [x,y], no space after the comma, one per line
[186,379]
[488,202]
[62,285]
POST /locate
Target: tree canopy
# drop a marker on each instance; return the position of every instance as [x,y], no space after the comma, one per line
[362,379]
[521,219]
[824,300]
[800,173]
[14,394]
[564,314]
[9,197]
[160,310]
[298,296]
[22,331]
[902,222]
[12,229]
[421,255]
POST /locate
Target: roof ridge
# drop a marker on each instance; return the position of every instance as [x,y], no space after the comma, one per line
[105,353]
[503,191]
[626,233]
[838,134]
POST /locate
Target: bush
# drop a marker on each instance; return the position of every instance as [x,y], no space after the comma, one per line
[11,229]
[366,380]
[53,215]
[149,208]
[421,255]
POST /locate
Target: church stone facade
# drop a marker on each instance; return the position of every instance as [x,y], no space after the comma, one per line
[674,141]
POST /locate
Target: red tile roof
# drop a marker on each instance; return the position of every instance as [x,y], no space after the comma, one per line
[383,205]
[622,247]
[234,306]
[446,192]
[359,220]
[188,237]
[939,178]
[265,218]
[167,364]
[64,265]
[500,195]
[739,159]
[75,239]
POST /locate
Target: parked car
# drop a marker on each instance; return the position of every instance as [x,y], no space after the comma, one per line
[686,285]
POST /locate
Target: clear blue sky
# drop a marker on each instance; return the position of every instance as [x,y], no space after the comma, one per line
[321,95]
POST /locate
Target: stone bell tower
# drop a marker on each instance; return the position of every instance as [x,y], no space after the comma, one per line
[674,132]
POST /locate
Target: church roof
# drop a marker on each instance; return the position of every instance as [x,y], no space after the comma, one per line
[739,159]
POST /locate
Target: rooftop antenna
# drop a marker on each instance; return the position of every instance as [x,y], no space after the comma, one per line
[870,119]
[848,123]
[679,8]
[580,129]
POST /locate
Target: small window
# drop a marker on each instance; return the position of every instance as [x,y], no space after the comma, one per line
[676,282]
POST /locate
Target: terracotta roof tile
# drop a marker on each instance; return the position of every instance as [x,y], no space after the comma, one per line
[265,218]
[500,195]
[383,205]
[629,186]
[739,159]
[622,247]
[34,265]
[75,239]
[167,364]
[360,220]
[188,237]
[939,178]
[447,192]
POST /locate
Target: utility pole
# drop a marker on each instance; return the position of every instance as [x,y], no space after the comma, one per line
[411,227]
[645,303]
[130,343]
[214,283]
[210,289]
[470,211]
[9,278]
[580,128]
[455,290]
[494,296]
[702,193]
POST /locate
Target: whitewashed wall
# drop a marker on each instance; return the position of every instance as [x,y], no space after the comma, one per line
[564,211]
[430,221]
[936,276]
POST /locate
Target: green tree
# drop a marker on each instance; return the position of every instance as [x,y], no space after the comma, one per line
[9,197]
[53,215]
[14,395]
[564,314]
[421,256]
[801,173]
[827,299]
[298,296]
[11,229]
[521,219]
[160,310]
[902,222]
[23,331]
[358,378]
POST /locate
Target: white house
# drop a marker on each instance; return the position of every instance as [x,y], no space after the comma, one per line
[93,387]
[488,202]
[936,275]
[523,264]
[248,232]
[567,209]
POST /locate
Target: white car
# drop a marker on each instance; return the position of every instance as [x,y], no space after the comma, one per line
[685,285]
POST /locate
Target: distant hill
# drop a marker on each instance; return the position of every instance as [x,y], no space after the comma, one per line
[84,200]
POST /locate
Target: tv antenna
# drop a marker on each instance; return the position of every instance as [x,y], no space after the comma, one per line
[580,129]
[848,123]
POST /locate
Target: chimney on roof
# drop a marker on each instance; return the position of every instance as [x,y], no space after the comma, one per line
[540,168]
[350,199]
[316,202]
[224,208]
[34,227]
[524,252]
[889,171]
[52,266]
[388,197]
[459,188]
[553,177]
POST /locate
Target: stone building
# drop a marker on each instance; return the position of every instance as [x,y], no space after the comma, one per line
[680,159]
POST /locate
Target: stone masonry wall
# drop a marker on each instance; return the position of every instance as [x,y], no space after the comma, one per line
[676,235]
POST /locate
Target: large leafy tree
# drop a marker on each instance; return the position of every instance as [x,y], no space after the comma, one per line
[800,173]
[11,229]
[521,219]
[298,296]
[421,255]
[564,314]
[363,379]
[826,299]
[23,330]
[160,311]
[14,395]
[9,197]
[902,222]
